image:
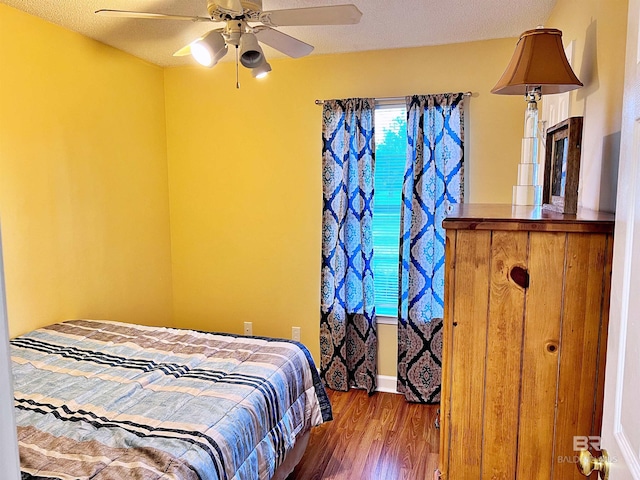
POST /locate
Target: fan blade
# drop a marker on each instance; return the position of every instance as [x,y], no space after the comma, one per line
[231,6]
[162,16]
[332,15]
[281,41]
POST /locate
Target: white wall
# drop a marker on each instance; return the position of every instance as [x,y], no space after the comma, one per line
[9,462]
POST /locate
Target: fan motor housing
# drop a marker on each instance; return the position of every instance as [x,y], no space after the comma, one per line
[251,10]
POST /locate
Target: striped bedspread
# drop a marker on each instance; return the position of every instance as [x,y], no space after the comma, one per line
[107,400]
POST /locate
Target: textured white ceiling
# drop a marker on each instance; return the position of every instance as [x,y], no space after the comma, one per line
[384,24]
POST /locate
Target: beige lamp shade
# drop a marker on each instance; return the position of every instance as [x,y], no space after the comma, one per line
[538,61]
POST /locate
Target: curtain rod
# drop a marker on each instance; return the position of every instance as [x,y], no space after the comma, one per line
[393,99]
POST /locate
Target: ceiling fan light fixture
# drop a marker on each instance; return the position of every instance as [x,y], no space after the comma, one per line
[251,55]
[208,49]
[240,31]
[261,70]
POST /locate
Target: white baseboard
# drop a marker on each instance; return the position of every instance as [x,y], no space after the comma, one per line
[387,384]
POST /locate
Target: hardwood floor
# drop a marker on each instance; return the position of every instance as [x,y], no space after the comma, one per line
[381,437]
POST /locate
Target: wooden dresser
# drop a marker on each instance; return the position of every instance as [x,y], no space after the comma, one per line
[525,336]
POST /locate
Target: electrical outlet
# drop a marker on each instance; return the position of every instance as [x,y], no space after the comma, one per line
[248,328]
[295,333]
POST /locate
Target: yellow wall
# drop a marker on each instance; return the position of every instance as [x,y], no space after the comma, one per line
[245,174]
[599,29]
[85,191]
[83,179]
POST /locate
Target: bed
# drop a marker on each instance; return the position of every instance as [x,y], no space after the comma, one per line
[108,400]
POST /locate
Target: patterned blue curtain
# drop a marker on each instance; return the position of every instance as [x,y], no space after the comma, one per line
[433,179]
[348,337]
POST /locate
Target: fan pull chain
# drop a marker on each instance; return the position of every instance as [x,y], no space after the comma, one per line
[237,70]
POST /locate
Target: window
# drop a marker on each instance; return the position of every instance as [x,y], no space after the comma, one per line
[391,148]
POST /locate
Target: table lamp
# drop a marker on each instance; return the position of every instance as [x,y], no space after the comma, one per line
[538,67]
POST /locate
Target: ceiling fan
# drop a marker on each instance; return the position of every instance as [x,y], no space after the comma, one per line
[246,24]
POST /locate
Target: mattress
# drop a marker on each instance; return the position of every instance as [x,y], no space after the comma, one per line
[108,400]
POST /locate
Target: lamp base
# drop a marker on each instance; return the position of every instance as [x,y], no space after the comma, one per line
[526,195]
[528,174]
[527,191]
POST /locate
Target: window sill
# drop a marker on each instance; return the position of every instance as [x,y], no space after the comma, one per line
[386,320]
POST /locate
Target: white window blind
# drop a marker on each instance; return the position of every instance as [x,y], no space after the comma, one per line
[391,147]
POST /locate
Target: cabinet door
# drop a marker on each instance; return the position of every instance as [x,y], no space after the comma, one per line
[582,343]
[524,340]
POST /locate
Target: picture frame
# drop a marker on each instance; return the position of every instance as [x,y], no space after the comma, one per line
[562,166]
